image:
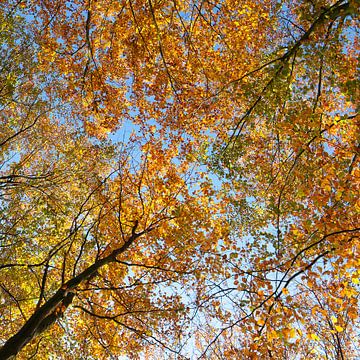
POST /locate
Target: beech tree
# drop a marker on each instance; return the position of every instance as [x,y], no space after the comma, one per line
[179,179]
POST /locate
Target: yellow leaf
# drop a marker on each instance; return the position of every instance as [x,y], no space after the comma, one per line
[313,337]
[334,319]
[272,335]
[338,195]
[325,184]
[339,328]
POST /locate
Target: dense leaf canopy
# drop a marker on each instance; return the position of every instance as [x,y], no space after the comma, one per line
[179,179]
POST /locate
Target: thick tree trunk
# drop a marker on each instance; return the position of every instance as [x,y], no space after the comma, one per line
[53,308]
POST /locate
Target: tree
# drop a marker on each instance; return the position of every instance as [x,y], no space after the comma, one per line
[225,225]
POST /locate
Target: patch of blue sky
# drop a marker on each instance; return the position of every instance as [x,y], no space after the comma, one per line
[129,81]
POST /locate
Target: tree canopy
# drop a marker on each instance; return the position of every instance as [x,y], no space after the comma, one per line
[179,179]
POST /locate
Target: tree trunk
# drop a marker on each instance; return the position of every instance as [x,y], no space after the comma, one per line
[54,308]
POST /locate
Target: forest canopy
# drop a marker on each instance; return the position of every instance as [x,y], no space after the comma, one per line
[179,179]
